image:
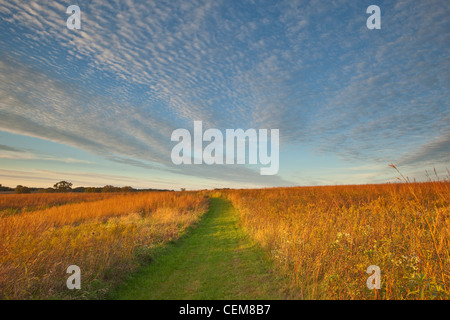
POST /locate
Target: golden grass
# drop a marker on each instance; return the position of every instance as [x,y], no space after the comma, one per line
[102,237]
[16,203]
[324,238]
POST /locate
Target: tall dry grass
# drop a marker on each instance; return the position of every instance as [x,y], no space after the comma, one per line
[16,203]
[324,238]
[104,238]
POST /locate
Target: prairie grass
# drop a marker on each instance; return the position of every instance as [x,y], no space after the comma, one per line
[16,203]
[325,238]
[105,238]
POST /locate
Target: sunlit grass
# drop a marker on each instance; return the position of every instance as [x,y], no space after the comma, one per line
[324,238]
[16,203]
[104,238]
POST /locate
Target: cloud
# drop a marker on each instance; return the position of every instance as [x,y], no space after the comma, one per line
[49,177]
[32,156]
[434,152]
[117,131]
[8,148]
[137,70]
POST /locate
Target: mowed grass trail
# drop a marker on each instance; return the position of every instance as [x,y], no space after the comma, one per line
[214,261]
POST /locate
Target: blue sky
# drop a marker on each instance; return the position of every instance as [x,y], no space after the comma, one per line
[98,105]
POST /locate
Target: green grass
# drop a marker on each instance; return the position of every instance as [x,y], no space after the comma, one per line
[216,261]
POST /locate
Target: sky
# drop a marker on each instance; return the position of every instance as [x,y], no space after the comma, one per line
[97,105]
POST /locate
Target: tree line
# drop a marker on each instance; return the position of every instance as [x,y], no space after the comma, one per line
[65,186]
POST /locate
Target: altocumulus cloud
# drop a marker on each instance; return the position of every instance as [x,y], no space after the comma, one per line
[137,70]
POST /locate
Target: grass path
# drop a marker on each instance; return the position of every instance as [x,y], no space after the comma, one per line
[214,261]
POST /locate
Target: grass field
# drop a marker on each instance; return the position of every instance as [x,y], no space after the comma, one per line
[324,238]
[16,203]
[105,238]
[280,243]
[217,260]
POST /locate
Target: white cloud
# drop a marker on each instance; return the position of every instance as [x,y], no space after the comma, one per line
[139,69]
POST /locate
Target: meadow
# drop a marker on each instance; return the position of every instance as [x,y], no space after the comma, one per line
[322,239]
[107,237]
[16,203]
[325,238]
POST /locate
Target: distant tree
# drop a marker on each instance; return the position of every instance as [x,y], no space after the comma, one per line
[126,189]
[109,188]
[46,190]
[93,190]
[79,189]
[22,189]
[63,186]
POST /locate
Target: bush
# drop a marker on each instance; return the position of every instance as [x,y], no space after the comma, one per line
[22,189]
